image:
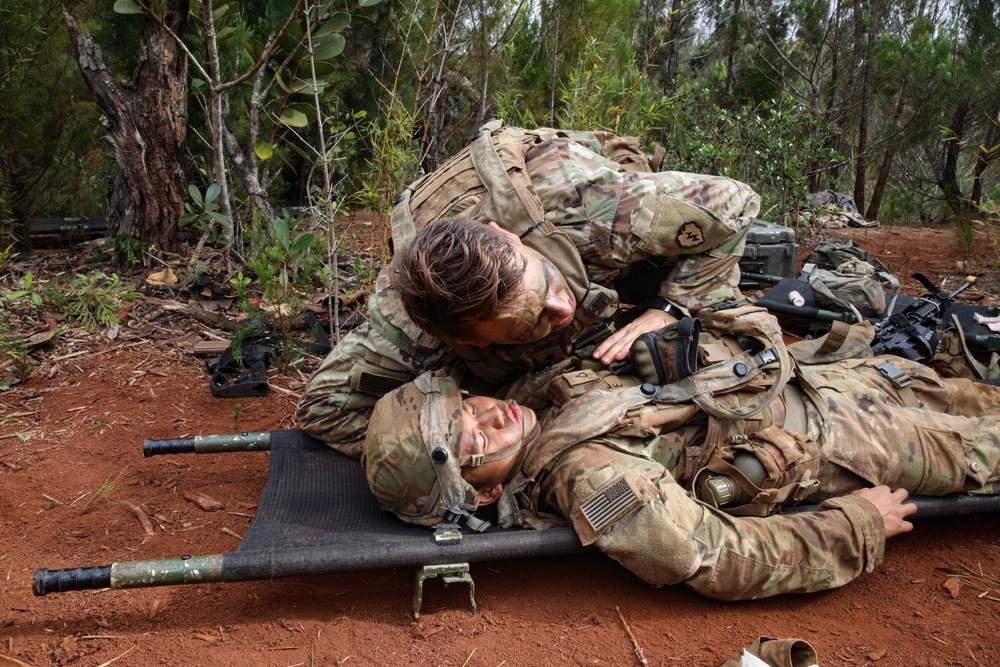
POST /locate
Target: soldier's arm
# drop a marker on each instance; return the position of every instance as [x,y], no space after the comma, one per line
[378,356]
[665,537]
[702,221]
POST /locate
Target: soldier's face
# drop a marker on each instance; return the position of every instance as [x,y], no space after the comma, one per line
[542,304]
[491,425]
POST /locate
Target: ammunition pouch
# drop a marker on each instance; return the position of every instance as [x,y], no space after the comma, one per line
[668,355]
[757,475]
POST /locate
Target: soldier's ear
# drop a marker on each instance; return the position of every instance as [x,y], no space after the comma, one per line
[514,238]
[490,495]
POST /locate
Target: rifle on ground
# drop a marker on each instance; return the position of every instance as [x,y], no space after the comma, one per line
[910,332]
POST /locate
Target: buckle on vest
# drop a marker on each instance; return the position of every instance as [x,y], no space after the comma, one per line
[766,357]
[896,377]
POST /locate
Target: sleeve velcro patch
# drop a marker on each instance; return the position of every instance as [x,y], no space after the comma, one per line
[609,504]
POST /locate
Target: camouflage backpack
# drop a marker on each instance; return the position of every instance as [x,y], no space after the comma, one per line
[854,286]
[830,253]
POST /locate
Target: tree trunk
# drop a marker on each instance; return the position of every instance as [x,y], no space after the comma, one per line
[673,56]
[732,44]
[555,62]
[890,152]
[146,123]
[861,57]
[986,153]
[948,178]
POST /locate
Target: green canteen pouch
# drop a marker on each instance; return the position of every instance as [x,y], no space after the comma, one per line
[668,355]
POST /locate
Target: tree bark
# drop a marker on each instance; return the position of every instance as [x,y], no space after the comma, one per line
[984,155]
[732,44]
[673,55]
[861,57]
[890,152]
[146,123]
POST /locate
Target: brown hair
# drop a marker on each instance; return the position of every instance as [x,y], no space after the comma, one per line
[456,272]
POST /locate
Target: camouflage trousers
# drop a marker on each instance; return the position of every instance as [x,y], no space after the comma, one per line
[933,437]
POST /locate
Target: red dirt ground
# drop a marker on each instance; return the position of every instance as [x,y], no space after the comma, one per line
[81,421]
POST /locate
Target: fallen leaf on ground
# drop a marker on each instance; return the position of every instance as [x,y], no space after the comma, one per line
[164,277]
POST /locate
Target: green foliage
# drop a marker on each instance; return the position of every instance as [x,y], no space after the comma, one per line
[235,426]
[242,284]
[202,213]
[29,293]
[127,248]
[7,251]
[608,90]
[286,269]
[51,154]
[776,146]
[93,300]
[509,104]
[965,241]
[15,350]
[393,158]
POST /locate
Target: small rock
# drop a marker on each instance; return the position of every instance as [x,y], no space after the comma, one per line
[953,586]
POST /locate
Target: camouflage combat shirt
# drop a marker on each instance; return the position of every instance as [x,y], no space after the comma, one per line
[615,218]
[624,490]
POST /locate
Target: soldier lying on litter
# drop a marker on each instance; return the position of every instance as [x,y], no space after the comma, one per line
[679,482]
[557,227]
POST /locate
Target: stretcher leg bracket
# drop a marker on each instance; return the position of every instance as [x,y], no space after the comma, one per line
[449,573]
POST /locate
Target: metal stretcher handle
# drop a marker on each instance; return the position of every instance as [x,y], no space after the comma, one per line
[170,446]
[75,579]
[209,444]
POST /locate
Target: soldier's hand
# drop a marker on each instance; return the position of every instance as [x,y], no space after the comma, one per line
[616,346]
[892,508]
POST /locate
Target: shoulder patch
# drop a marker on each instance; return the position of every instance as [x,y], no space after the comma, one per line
[609,504]
[690,235]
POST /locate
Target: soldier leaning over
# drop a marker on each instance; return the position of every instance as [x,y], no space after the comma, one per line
[551,226]
[615,460]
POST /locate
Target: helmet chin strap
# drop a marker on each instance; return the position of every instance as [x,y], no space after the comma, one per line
[476,460]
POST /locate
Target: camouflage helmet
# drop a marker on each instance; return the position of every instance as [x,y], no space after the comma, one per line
[412,454]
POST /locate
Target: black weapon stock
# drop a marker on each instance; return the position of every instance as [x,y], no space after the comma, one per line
[910,332]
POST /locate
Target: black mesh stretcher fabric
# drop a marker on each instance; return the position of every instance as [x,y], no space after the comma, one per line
[317,516]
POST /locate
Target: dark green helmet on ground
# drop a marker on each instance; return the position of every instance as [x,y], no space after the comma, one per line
[412,453]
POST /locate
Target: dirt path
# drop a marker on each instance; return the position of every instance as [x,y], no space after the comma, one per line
[64,436]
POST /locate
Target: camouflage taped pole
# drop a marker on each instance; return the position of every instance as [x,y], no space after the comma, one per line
[761,277]
[210,444]
[132,574]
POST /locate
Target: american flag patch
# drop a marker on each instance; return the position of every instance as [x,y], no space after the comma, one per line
[608,505]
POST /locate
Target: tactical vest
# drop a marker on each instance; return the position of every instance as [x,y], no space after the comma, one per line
[739,395]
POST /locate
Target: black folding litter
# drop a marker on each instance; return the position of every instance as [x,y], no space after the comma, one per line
[317,516]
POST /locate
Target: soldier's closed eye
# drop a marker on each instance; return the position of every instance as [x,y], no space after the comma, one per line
[479,434]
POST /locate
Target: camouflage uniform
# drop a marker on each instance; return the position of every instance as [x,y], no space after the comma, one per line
[616,470]
[614,219]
